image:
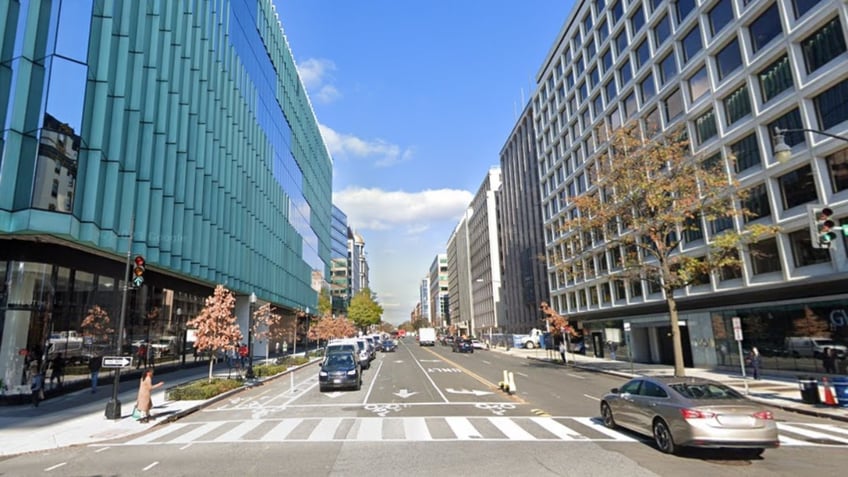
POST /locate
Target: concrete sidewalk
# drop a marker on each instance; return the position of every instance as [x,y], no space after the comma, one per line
[777,390]
[79,417]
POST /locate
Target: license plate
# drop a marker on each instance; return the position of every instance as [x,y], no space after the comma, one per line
[735,421]
[337,381]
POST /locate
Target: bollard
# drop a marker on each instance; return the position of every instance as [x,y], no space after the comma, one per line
[511,383]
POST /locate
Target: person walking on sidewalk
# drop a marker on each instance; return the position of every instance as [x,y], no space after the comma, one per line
[37,385]
[144,401]
[829,360]
[755,361]
[94,364]
[58,370]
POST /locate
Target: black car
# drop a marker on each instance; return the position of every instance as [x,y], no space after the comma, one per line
[389,346]
[463,346]
[340,370]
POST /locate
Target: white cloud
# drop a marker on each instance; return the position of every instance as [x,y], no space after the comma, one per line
[377,209]
[384,153]
[316,74]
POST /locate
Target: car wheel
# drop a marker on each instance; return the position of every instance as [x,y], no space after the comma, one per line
[606,415]
[529,345]
[322,389]
[752,453]
[663,438]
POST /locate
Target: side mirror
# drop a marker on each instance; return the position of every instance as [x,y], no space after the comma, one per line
[614,390]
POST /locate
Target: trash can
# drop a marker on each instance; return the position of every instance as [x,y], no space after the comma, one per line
[809,389]
[840,388]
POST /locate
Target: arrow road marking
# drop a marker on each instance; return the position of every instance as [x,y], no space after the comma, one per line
[404,393]
[465,391]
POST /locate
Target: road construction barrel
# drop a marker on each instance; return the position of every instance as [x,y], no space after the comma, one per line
[809,389]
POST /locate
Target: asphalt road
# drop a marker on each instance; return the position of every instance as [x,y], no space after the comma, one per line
[427,411]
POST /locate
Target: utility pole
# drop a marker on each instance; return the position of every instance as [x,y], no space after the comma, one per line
[113,407]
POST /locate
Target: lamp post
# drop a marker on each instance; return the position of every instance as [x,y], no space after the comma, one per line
[249,374]
[783,152]
[113,406]
[182,335]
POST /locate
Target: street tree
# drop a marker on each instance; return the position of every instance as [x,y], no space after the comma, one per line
[364,311]
[645,198]
[266,323]
[325,302]
[329,327]
[216,324]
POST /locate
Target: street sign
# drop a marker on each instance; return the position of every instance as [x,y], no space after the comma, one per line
[626,326]
[137,281]
[117,361]
[737,328]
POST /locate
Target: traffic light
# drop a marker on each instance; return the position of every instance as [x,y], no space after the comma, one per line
[138,271]
[822,226]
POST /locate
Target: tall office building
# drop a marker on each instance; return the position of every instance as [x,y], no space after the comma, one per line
[177,132]
[438,291]
[484,256]
[424,298]
[525,279]
[730,72]
[340,283]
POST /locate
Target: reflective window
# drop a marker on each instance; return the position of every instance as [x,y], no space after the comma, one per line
[66,91]
[637,20]
[652,122]
[647,88]
[691,44]
[720,16]
[598,105]
[643,54]
[728,59]
[757,203]
[662,31]
[790,120]
[603,31]
[775,78]
[699,84]
[673,105]
[621,43]
[823,45]
[837,166]
[803,6]
[765,28]
[617,11]
[746,151]
[737,105]
[607,60]
[668,68]
[595,77]
[803,253]
[630,105]
[765,257]
[797,187]
[832,105]
[611,90]
[625,73]
[684,8]
[73,30]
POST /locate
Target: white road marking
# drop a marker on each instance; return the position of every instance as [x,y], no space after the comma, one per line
[326,429]
[592,397]
[427,375]
[561,431]
[101,449]
[54,467]
[416,429]
[462,428]
[511,429]
[809,433]
[370,429]
[522,374]
[152,436]
[281,430]
[239,431]
[576,376]
[589,422]
[150,466]
[197,433]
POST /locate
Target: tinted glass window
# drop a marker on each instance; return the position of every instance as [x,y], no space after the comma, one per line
[803,6]
[650,389]
[643,54]
[720,16]
[706,391]
[668,68]
[637,21]
[699,84]
[823,45]
[684,7]
[728,59]
[765,28]
[631,387]
[662,31]
[691,44]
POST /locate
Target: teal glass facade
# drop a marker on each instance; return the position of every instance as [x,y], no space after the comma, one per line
[179,130]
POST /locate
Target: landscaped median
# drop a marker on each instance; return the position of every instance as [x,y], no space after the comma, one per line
[203,389]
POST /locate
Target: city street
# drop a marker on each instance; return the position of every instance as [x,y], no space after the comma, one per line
[426,411]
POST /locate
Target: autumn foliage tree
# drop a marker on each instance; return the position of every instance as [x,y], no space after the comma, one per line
[811,325]
[645,198]
[328,328]
[266,322]
[216,324]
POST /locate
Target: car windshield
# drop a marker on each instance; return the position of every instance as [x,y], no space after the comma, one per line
[705,391]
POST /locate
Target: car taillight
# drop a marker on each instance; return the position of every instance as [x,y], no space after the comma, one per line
[767,415]
[696,414]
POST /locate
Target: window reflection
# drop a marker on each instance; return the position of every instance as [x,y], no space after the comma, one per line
[73,29]
[56,168]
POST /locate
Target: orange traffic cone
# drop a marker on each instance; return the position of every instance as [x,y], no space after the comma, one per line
[829,399]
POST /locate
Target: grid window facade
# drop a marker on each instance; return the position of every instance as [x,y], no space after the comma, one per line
[824,45]
[775,78]
[765,28]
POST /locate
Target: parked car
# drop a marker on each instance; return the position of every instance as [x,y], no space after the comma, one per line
[463,345]
[813,347]
[389,346]
[339,370]
[680,412]
[348,345]
[477,344]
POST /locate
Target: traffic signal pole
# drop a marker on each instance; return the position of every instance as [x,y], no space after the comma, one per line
[113,407]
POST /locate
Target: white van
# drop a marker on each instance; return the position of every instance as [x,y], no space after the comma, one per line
[813,347]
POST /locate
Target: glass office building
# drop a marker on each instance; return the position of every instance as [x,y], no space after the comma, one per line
[730,72]
[175,131]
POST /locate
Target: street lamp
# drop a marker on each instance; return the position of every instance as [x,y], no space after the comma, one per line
[783,152]
[250,374]
[182,335]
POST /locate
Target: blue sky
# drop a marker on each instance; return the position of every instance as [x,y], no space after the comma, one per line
[415,99]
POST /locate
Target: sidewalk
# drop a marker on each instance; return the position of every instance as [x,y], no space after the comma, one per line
[780,391]
[79,417]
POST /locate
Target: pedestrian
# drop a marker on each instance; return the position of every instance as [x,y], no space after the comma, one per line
[144,401]
[613,347]
[754,359]
[141,354]
[562,351]
[57,372]
[36,386]
[277,348]
[94,365]
[829,360]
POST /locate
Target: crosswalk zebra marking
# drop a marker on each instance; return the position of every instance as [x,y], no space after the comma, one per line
[325,430]
[811,434]
[462,428]
[560,430]
[594,425]
[370,429]
[197,432]
[279,432]
[239,431]
[416,429]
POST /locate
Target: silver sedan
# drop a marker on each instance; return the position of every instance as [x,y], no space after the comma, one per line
[680,412]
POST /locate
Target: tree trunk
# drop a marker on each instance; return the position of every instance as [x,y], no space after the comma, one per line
[211,362]
[679,369]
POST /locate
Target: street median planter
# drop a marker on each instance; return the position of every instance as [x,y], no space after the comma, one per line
[202,389]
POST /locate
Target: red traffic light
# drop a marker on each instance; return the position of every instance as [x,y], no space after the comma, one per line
[139,261]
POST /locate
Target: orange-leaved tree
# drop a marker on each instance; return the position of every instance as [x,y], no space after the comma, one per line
[328,328]
[646,196]
[96,324]
[216,324]
[266,322]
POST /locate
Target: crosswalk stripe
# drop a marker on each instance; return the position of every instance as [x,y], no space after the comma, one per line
[416,429]
[279,432]
[788,441]
[511,429]
[239,431]
[325,430]
[462,428]
[560,430]
[589,422]
[808,433]
[829,427]
[370,429]
[152,436]
[197,432]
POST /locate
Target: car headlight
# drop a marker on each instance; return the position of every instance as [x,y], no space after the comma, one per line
[352,372]
[323,374]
